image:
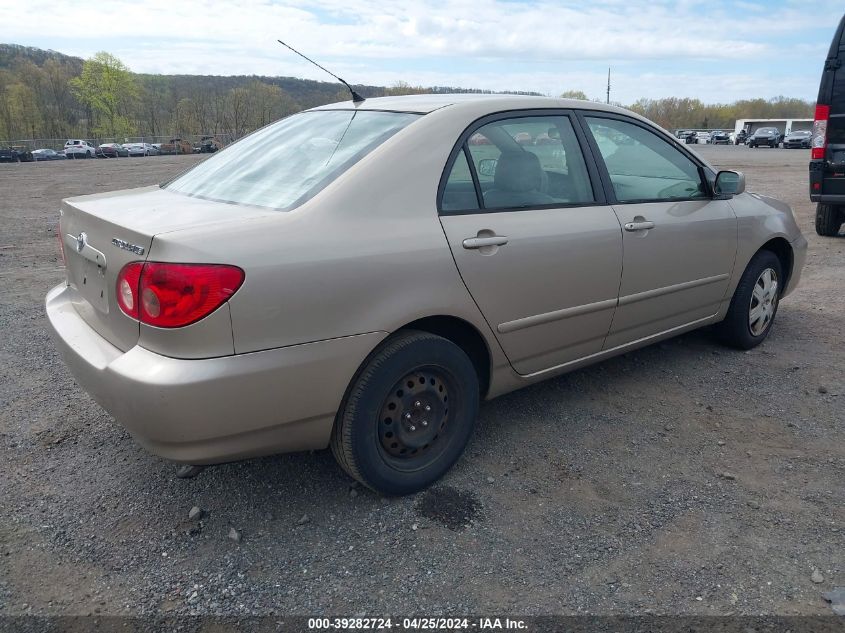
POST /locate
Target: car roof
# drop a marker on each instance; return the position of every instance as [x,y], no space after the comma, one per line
[425,103]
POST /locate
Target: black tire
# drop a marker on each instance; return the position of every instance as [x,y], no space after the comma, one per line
[736,329]
[829,219]
[408,373]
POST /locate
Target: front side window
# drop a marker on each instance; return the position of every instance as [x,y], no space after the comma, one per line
[286,163]
[642,166]
[521,162]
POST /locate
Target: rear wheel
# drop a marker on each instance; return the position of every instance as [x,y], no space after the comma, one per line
[829,219]
[408,414]
[755,302]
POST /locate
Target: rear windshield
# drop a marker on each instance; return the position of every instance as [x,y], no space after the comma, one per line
[286,163]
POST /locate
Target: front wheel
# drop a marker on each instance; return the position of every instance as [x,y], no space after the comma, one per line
[829,219]
[408,415]
[755,302]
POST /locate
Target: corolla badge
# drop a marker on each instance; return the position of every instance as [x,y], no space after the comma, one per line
[132,248]
[81,241]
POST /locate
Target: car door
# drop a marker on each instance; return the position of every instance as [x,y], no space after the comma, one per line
[533,238]
[679,242]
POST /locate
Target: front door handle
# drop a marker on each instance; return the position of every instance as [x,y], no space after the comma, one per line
[481,242]
[639,226]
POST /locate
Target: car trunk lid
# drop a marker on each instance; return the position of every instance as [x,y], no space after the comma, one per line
[104,232]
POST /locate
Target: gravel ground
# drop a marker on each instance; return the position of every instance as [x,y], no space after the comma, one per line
[684,478]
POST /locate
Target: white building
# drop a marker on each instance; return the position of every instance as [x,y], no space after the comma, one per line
[784,125]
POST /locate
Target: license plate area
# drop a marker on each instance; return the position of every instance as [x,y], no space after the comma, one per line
[89,278]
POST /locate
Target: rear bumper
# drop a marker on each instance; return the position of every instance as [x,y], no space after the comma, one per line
[218,409]
[827,182]
[828,199]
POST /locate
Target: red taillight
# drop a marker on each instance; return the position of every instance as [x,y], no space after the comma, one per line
[174,295]
[127,288]
[819,141]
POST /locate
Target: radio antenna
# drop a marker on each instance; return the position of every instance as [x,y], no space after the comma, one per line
[356,98]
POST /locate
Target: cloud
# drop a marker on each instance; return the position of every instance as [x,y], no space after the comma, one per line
[471,43]
[379,29]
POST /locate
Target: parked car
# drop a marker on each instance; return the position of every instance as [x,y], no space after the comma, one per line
[47,154]
[348,276]
[720,137]
[78,148]
[152,149]
[478,139]
[741,137]
[111,150]
[209,145]
[137,149]
[15,154]
[702,138]
[799,139]
[827,143]
[176,146]
[9,155]
[764,137]
[24,154]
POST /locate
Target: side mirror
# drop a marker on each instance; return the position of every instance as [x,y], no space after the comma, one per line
[487,167]
[729,183]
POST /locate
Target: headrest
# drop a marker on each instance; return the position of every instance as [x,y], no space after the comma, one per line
[518,171]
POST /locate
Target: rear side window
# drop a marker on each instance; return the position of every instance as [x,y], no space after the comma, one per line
[459,194]
[286,163]
[642,166]
[520,162]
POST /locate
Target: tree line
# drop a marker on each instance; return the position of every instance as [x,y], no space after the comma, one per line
[101,98]
[674,113]
[44,94]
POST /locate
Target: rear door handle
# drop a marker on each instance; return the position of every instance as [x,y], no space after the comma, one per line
[639,226]
[481,242]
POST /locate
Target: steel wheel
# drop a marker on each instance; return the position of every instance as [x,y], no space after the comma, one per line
[414,420]
[764,299]
[408,414]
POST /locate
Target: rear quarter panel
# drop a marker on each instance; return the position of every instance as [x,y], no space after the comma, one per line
[367,254]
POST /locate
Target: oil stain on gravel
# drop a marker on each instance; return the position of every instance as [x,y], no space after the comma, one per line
[449,506]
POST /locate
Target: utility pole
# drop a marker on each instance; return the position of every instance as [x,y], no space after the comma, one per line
[608,85]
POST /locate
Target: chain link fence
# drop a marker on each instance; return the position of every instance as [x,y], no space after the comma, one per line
[58,144]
